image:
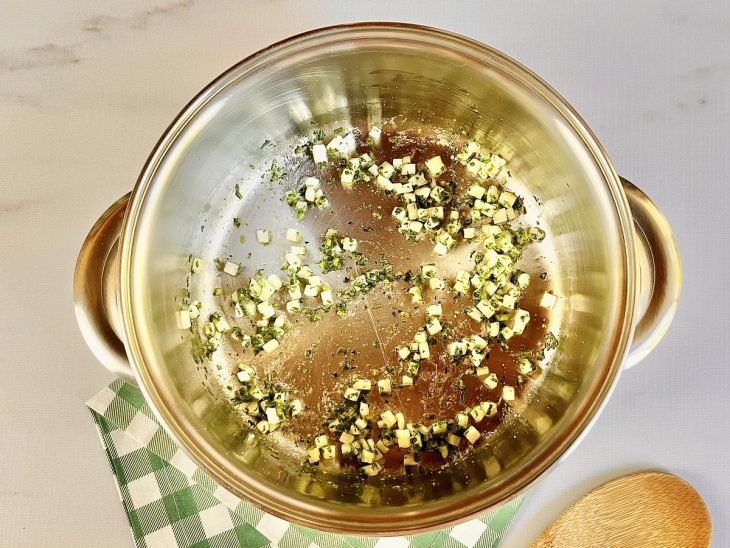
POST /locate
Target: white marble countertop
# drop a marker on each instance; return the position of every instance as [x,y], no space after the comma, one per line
[86,88]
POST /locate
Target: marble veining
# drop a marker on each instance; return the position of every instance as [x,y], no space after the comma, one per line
[139,21]
[19,99]
[15,206]
[46,55]
[705,72]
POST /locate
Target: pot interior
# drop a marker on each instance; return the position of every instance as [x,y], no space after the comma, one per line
[419,80]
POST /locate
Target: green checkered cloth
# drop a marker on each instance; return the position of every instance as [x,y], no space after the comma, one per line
[170,502]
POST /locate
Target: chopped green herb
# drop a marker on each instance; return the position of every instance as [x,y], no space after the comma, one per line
[276,173]
[309,352]
[313,314]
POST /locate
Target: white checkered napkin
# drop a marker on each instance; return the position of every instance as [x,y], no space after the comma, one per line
[170,502]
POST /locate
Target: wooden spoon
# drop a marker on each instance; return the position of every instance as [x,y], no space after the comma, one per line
[644,510]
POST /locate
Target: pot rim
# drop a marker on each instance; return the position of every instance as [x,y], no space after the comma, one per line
[301,510]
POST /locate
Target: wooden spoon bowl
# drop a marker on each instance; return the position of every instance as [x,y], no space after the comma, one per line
[647,509]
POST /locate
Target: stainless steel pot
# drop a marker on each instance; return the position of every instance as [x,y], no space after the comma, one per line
[609,252]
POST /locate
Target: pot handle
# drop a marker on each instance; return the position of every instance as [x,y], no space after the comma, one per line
[95,291]
[659,278]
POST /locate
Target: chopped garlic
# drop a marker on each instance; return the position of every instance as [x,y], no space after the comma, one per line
[364,410]
[477,414]
[403,437]
[361,384]
[548,300]
[500,216]
[327,298]
[376,135]
[491,381]
[408,169]
[433,326]
[309,194]
[388,418]
[416,295]
[386,170]
[347,177]
[526,366]
[477,191]
[523,280]
[293,235]
[440,249]
[384,183]
[267,291]
[344,146]
[221,325]
[234,269]
[313,454]
[295,291]
[349,244]
[490,408]
[270,346]
[485,309]
[506,199]
[423,350]
[474,314]
[263,236]
[472,435]
[384,386]
[319,154]
[372,469]
[508,393]
[351,394]
[436,284]
[415,226]
[519,320]
[346,437]
[435,166]
[329,452]
[271,416]
[266,310]
[311,290]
